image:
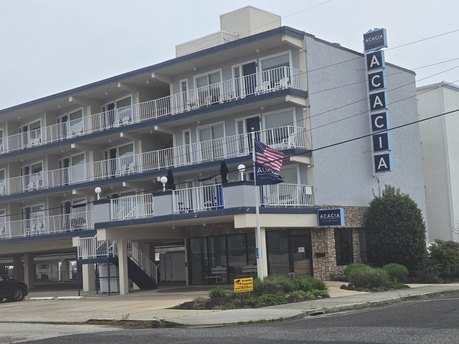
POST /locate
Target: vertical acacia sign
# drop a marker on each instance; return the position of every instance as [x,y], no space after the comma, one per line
[373,41]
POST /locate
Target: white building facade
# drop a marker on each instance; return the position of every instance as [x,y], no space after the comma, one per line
[182,118]
[440,146]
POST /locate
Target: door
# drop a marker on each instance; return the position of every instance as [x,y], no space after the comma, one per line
[66,210]
[112,153]
[64,165]
[249,76]
[301,253]
[183,95]
[63,126]
[109,110]
[244,128]
[187,145]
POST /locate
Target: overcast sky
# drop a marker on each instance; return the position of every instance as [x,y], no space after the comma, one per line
[49,46]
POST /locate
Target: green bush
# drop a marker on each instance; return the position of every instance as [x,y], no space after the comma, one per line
[300,295]
[445,254]
[369,278]
[396,272]
[308,284]
[430,272]
[395,230]
[219,292]
[274,285]
[355,266]
[270,300]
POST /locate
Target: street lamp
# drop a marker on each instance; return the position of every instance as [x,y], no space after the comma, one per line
[241,169]
[164,181]
[98,190]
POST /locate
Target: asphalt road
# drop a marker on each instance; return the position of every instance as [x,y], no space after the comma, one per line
[429,321]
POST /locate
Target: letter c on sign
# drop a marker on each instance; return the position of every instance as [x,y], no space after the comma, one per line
[373,78]
[377,123]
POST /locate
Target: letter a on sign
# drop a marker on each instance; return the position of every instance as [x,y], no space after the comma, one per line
[377,101]
[375,60]
[382,163]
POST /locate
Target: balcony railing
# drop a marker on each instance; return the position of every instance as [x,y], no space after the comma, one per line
[205,151]
[131,207]
[40,225]
[91,247]
[202,198]
[221,92]
[286,195]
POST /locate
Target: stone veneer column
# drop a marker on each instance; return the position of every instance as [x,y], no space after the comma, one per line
[356,246]
[323,243]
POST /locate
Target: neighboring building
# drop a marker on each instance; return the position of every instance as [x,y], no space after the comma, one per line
[440,145]
[181,118]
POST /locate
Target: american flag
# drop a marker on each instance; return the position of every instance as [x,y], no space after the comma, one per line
[268,157]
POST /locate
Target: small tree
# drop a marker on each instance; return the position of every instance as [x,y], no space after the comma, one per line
[396,231]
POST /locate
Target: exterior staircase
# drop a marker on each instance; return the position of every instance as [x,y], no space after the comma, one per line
[141,269]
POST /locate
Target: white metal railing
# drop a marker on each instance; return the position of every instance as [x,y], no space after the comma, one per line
[90,247]
[195,153]
[286,195]
[201,198]
[131,207]
[221,92]
[41,225]
[142,260]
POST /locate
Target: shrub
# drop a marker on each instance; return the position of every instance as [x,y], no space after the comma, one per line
[270,300]
[308,284]
[396,231]
[369,278]
[354,266]
[396,272]
[299,295]
[430,272]
[445,254]
[219,292]
[274,285]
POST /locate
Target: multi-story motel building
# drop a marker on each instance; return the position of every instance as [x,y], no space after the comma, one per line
[440,151]
[182,118]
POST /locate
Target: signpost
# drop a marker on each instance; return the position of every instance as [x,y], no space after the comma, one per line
[243,285]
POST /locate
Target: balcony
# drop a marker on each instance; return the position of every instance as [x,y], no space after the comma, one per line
[206,151]
[40,225]
[226,91]
[131,207]
[212,197]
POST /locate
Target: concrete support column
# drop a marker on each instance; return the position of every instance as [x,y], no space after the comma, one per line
[29,269]
[123,267]
[18,268]
[89,277]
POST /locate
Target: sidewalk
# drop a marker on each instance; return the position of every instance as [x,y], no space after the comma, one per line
[153,305]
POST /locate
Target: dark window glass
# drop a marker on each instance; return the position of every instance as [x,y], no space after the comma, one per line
[278,260]
[343,246]
[237,255]
[199,263]
[251,247]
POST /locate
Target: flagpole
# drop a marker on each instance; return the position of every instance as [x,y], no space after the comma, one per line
[259,251]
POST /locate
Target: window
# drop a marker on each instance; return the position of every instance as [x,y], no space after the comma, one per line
[274,69]
[208,86]
[211,149]
[32,176]
[31,134]
[280,125]
[121,160]
[278,253]
[343,246]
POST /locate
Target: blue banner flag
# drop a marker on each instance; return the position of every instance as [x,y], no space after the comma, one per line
[266,176]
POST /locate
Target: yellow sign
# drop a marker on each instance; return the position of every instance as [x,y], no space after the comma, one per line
[243,285]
